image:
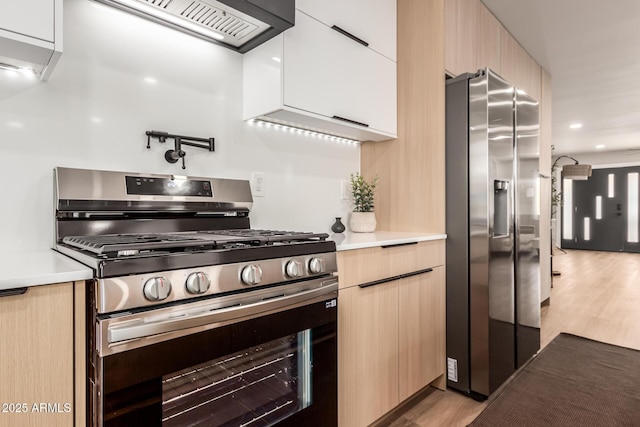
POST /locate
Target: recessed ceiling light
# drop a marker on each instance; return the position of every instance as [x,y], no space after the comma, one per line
[576,126]
[150,80]
[600,146]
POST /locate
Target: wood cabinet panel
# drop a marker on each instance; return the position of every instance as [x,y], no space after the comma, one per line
[528,74]
[37,356]
[391,336]
[518,67]
[80,352]
[411,190]
[488,40]
[508,56]
[422,330]
[366,265]
[460,36]
[367,353]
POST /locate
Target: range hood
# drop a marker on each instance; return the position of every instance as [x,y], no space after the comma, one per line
[239,25]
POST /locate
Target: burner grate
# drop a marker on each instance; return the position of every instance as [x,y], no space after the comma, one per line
[129,244]
[120,245]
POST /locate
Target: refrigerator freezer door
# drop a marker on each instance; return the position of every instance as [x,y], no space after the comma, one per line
[527,211]
[492,298]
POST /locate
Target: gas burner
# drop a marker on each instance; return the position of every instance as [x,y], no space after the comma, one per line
[131,244]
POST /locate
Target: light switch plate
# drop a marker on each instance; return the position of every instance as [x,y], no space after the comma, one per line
[345,189]
[258,184]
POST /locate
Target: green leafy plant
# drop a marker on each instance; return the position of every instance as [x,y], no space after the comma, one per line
[363,192]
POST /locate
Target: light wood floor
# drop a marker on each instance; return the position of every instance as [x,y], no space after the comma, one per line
[596,296]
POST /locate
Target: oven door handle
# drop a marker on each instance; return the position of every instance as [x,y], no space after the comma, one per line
[141,327]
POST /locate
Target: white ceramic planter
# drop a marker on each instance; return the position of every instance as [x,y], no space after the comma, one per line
[362,222]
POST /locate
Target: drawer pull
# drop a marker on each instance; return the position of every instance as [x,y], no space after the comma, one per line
[398,244]
[351,36]
[351,121]
[398,277]
[13,292]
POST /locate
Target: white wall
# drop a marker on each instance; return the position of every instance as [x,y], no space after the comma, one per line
[96,107]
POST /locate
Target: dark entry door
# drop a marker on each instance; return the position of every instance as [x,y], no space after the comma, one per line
[604,211]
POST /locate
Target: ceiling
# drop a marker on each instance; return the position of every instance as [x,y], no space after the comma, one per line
[591,48]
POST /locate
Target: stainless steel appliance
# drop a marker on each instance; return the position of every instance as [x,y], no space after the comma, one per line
[239,25]
[194,319]
[493,279]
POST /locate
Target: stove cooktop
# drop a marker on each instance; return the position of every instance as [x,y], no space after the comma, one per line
[125,254]
[119,245]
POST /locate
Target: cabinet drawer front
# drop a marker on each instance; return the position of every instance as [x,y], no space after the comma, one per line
[367,265]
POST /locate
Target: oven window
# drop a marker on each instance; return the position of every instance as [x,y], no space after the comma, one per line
[259,386]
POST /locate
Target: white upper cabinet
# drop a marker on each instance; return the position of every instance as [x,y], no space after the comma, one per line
[373,21]
[31,34]
[315,77]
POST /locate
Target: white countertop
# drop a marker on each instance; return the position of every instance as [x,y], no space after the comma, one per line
[348,240]
[22,269]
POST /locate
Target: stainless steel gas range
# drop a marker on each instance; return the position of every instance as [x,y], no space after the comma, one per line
[194,318]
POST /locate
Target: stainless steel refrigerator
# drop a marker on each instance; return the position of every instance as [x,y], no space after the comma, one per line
[493,275]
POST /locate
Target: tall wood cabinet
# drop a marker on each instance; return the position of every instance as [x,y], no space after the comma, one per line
[37,357]
[411,189]
[391,320]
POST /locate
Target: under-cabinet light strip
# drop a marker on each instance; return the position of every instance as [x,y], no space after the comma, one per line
[26,71]
[302,131]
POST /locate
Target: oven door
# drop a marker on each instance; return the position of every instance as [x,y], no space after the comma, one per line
[257,363]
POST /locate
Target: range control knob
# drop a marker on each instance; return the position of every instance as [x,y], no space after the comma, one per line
[293,269]
[157,289]
[251,275]
[316,265]
[198,283]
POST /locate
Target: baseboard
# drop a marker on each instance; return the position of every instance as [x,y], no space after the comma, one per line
[404,406]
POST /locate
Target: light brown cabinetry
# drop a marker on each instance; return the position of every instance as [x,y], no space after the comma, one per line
[37,357]
[488,30]
[422,331]
[460,35]
[368,353]
[411,190]
[518,67]
[391,338]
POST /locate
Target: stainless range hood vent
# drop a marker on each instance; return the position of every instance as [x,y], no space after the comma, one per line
[239,25]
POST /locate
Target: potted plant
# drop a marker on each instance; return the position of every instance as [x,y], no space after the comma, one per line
[363,218]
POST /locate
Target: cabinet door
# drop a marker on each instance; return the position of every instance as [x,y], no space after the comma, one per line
[329,74]
[367,353]
[36,356]
[460,36]
[488,40]
[32,18]
[422,331]
[509,53]
[373,21]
